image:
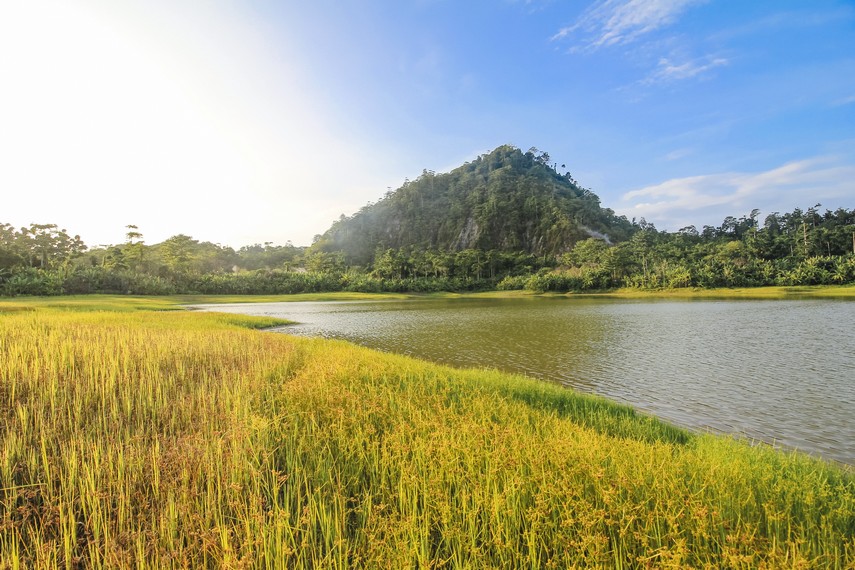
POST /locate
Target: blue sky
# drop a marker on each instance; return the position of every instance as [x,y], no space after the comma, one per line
[255,121]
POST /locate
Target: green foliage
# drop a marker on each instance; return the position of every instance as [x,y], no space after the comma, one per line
[268,256]
[42,246]
[787,250]
[591,251]
[512,283]
[325,262]
[31,281]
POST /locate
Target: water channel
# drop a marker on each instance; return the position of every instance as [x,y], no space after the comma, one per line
[782,372]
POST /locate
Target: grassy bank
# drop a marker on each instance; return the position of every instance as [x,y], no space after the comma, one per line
[811,292]
[134,436]
[172,302]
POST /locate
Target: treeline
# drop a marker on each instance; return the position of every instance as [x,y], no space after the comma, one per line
[43,259]
[797,248]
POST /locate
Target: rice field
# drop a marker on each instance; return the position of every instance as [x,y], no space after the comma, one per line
[135,437]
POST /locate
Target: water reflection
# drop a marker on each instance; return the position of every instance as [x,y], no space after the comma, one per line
[777,371]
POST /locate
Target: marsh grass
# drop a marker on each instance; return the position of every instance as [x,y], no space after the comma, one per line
[332,296]
[151,439]
[776,292]
[90,303]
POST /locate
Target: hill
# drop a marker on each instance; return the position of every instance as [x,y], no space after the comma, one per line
[506,201]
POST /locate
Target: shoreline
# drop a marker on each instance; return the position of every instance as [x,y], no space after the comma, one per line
[846,292]
[178,302]
[117,302]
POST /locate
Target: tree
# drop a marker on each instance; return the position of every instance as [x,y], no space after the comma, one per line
[45,245]
[267,256]
[9,247]
[177,253]
[114,258]
[325,262]
[587,252]
[134,247]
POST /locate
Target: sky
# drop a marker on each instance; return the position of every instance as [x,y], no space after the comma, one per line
[253,121]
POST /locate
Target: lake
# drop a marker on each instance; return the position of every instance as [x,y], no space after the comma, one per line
[782,372]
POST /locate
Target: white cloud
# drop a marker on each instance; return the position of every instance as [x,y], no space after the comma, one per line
[844,101]
[668,70]
[709,198]
[679,153]
[615,22]
[532,6]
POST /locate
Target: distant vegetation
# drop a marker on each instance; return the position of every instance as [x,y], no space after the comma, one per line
[135,437]
[506,220]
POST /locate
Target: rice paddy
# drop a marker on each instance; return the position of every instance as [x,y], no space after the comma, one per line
[135,437]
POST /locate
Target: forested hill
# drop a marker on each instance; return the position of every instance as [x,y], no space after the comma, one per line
[506,201]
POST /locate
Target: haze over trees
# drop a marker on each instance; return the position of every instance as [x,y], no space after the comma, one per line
[507,219]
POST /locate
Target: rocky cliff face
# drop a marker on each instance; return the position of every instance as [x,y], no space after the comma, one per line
[468,235]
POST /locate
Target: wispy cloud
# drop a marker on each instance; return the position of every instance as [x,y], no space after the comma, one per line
[615,22]
[532,6]
[678,153]
[844,101]
[710,198]
[669,70]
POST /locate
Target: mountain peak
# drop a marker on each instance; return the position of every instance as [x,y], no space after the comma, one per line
[505,200]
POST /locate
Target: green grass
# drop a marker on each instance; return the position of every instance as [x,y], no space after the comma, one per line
[172,302]
[807,292]
[88,303]
[136,303]
[131,436]
[334,296]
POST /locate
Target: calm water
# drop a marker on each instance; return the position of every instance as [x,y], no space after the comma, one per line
[777,371]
